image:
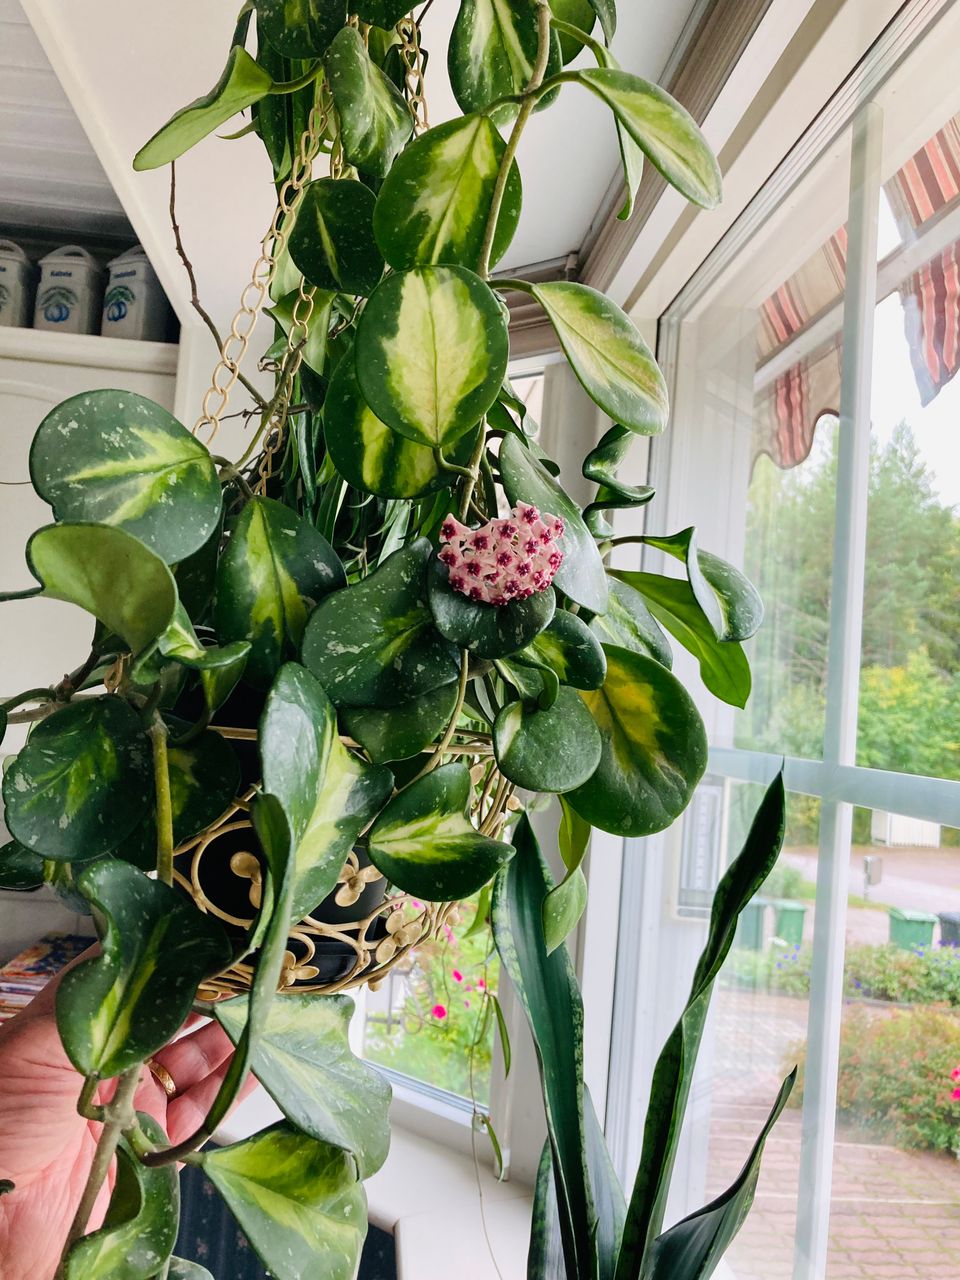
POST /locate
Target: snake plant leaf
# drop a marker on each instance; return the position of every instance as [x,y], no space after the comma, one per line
[654,748]
[141,1225]
[425,844]
[300,28]
[601,465]
[81,782]
[113,457]
[397,733]
[553,749]
[219,666]
[109,573]
[581,577]
[724,668]
[493,50]
[433,205]
[375,121]
[327,794]
[119,1007]
[299,1202]
[373,458]
[729,600]
[382,13]
[431,352]
[184,1269]
[565,903]
[570,649]
[374,644]
[332,239]
[304,1061]
[242,83]
[629,623]
[487,630]
[20,867]
[612,362]
[673,1074]
[664,131]
[275,566]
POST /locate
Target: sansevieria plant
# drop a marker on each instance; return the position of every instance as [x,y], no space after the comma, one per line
[372,636]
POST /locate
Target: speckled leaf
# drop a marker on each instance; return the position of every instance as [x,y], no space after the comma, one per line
[601,465]
[375,121]
[81,782]
[555,749]
[304,1061]
[493,50]
[487,630]
[396,733]
[242,84]
[328,794]
[654,748]
[431,352]
[375,644]
[729,600]
[275,566]
[112,457]
[332,239]
[425,844]
[571,650]
[434,203]
[20,868]
[140,1228]
[118,1008]
[629,623]
[300,28]
[299,1202]
[183,1269]
[382,13]
[581,576]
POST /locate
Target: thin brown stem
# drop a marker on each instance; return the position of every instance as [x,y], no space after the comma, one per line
[161,773]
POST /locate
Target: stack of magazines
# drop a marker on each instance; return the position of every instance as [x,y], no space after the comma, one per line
[29,972]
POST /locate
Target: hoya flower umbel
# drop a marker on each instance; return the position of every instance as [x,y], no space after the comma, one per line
[505,559]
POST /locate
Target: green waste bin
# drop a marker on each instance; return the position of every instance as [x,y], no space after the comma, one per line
[909,929]
[790,917]
[750,929]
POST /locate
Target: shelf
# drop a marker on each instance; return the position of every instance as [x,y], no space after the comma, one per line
[87,349]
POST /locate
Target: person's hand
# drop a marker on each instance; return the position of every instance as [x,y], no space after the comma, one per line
[46,1148]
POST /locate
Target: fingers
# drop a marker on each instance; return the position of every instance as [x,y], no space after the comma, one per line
[193,1057]
[187,1111]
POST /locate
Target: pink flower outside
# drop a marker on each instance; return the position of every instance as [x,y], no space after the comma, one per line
[505,559]
[457,975]
[439,1012]
[956,1095]
[955,1073]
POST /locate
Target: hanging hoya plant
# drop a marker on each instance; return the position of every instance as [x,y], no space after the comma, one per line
[325,677]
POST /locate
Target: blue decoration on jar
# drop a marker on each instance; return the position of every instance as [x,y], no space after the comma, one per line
[57,303]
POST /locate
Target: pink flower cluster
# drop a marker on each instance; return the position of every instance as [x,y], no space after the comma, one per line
[505,559]
[955,1077]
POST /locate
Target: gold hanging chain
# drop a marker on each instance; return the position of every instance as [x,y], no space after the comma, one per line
[413,61]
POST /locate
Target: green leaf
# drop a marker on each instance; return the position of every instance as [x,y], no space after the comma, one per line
[654,748]
[434,203]
[673,1074]
[724,668]
[431,352]
[382,13]
[242,84]
[315,347]
[694,1246]
[504,1036]
[275,566]
[112,457]
[581,576]
[375,121]
[579,14]
[182,1269]
[397,733]
[327,794]
[663,130]
[299,1202]
[373,458]
[493,51]
[119,1007]
[729,600]
[629,623]
[332,239]
[300,28]
[20,868]
[81,782]
[425,844]
[110,574]
[555,749]
[374,644]
[303,1060]
[569,648]
[600,465]
[219,667]
[565,903]
[612,362]
[487,630]
[141,1225]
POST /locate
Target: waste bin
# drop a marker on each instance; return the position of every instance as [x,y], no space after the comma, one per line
[909,929]
[790,917]
[950,928]
[750,929]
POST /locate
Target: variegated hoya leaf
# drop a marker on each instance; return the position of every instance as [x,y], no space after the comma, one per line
[275,567]
[119,1007]
[487,630]
[425,844]
[382,13]
[601,465]
[493,50]
[729,600]
[396,733]
[629,623]
[315,347]
[81,783]
[300,28]
[571,650]
[299,1201]
[113,457]
[375,121]
[565,902]
[183,1269]
[20,868]
[553,749]
[328,794]
[304,1061]
[431,352]
[332,239]
[434,203]
[219,666]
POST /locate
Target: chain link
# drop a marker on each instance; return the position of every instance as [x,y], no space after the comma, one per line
[413,62]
